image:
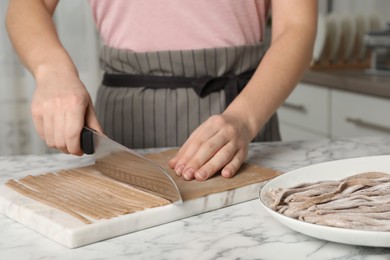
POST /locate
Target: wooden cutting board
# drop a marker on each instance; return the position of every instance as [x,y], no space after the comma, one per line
[248,174]
[198,197]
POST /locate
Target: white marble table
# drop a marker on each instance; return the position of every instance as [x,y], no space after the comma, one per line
[242,231]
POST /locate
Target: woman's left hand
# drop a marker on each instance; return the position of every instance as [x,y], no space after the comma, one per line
[220,143]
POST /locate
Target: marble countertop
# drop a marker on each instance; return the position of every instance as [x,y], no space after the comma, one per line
[242,231]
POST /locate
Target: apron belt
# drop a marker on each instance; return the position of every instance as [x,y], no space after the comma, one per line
[203,86]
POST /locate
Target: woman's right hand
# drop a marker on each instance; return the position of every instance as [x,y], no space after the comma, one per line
[60,107]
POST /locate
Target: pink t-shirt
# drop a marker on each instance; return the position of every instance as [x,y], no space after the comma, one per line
[153,25]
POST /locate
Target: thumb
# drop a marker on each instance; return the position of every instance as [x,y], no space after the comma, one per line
[91,120]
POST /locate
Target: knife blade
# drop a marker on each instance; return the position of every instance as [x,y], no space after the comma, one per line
[125,165]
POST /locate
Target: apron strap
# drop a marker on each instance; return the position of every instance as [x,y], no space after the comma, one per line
[203,86]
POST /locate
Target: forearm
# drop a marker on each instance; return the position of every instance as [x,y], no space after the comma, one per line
[34,37]
[61,105]
[276,76]
[221,142]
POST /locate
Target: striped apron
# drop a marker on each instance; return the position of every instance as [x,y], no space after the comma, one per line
[142,116]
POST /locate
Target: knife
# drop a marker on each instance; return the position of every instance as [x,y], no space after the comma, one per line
[125,165]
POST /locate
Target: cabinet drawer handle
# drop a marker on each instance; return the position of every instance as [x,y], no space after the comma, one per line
[296,107]
[365,124]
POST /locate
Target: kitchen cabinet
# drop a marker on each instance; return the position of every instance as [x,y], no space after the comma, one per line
[355,115]
[313,112]
[305,113]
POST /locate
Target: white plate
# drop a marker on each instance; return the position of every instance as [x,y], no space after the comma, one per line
[362,27]
[349,35]
[320,37]
[334,170]
[335,35]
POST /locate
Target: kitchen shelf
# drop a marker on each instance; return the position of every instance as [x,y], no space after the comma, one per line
[352,80]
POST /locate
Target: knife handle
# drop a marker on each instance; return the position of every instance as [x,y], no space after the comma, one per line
[86,141]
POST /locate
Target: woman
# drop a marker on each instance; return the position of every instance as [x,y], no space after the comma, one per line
[173,72]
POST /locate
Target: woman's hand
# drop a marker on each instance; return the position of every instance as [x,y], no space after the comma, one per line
[220,143]
[61,106]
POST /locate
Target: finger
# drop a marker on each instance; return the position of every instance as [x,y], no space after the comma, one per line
[200,134]
[234,165]
[38,124]
[181,160]
[207,151]
[219,160]
[48,130]
[172,162]
[183,156]
[91,119]
[58,132]
[74,123]
[187,155]
[185,150]
[190,148]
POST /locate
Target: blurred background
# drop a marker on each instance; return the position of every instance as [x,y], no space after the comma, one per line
[76,29]
[78,34]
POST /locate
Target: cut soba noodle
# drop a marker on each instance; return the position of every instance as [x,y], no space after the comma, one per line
[85,194]
[361,201]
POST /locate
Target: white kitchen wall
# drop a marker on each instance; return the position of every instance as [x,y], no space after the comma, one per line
[77,31]
[78,34]
[323,6]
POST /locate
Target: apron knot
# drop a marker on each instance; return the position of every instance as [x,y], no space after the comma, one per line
[231,83]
